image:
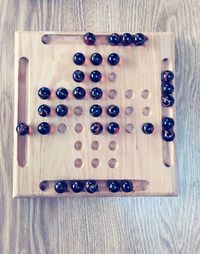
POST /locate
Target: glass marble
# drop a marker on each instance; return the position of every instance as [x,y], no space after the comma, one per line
[62,93]
[148,128]
[113,186]
[44,93]
[44,110]
[60,187]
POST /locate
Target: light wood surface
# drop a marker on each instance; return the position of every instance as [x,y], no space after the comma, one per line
[106,225]
[137,84]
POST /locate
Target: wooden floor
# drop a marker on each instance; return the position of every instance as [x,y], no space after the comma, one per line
[106,225]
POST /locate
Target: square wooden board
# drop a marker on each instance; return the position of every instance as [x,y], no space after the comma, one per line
[145,159]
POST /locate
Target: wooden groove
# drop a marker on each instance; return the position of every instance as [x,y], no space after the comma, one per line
[138,186]
[22,109]
[168,148]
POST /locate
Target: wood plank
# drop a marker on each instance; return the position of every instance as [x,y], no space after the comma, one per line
[53,157]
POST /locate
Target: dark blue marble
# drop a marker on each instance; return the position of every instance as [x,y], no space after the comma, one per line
[95,76]
[167,76]
[114,39]
[168,135]
[89,38]
[44,128]
[167,88]
[113,185]
[44,93]
[79,58]
[91,186]
[79,93]
[113,128]
[126,185]
[44,110]
[96,59]
[167,100]
[62,93]
[148,128]
[126,39]
[167,123]
[78,76]
[113,59]
[96,128]
[77,186]
[22,129]
[61,110]
[95,110]
[60,187]
[113,110]
[139,39]
[96,93]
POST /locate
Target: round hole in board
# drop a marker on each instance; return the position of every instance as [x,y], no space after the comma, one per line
[43,185]
[78,127]
[129,94]
[45,39]
[146,111]
[62,128]
[78,145]
[165,60]
[112,163]
[112,93]
[95,145]
[78,111]
[145,94]
[95,162]
[129,110]
[112,145]
[78,163]
[166,164]
[112,76]
[129,127]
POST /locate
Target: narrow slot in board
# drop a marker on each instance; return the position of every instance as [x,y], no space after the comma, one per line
[167,147]
[22,109]
[49,39]
[138,185]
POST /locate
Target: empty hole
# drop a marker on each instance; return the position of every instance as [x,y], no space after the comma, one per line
[145,94]
[95,162]
[112,163]
[112,93]
[78,111]
[78,163]
[62,128]
[43,185]
[45,39]
[78,127]
[95,145]
[112,145]
[165,60]
[129,127]
[129,94]
[129,111]
[112,76]
[146,111]
[78,145]
[165,63]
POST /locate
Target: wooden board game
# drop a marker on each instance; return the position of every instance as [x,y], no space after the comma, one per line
[99,123]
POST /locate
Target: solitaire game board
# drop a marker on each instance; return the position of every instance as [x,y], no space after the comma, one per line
[94,114]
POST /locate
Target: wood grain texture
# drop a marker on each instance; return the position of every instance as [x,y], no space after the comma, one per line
[106,225]
[139,157]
